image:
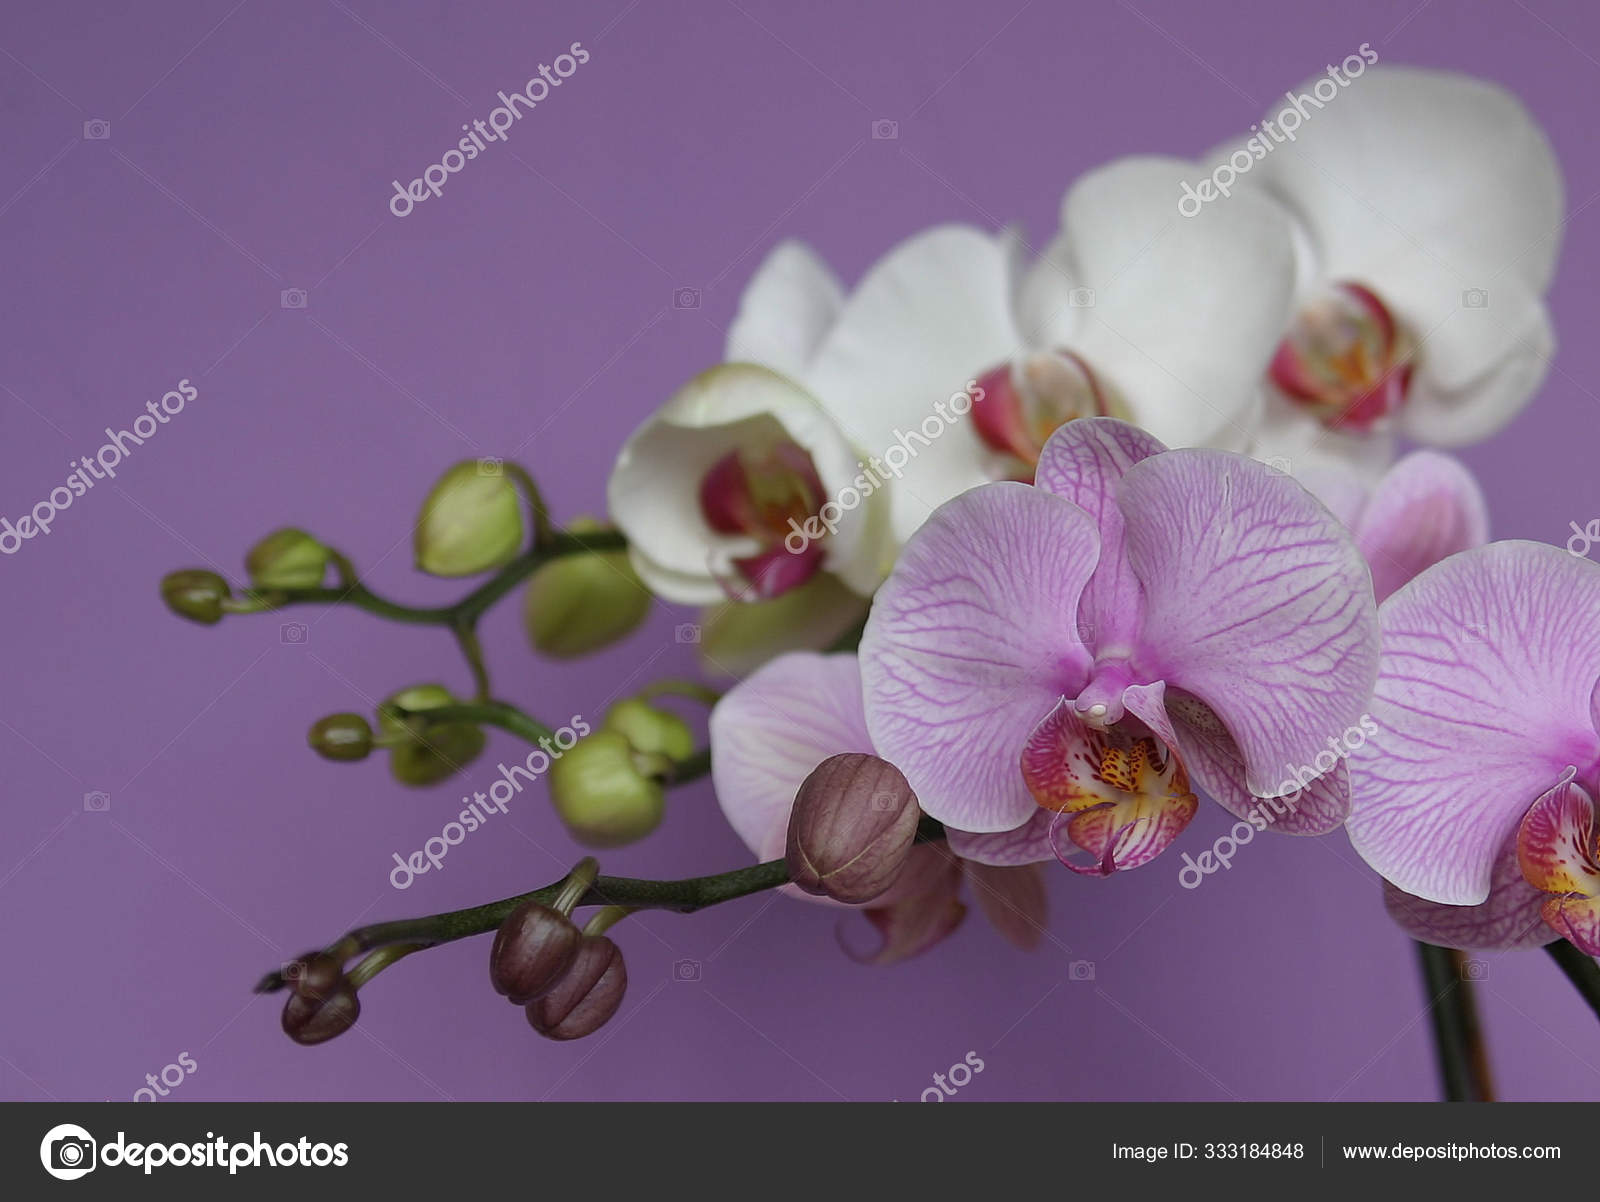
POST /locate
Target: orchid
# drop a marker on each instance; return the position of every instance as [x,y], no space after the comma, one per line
[1428,208]
[853,408]
[1425,508]
[1476,796]
[1142,621]
[778,724]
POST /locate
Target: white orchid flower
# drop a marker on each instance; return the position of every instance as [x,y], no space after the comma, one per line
[1428,210]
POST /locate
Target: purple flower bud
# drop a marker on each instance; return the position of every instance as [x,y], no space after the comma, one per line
[852,827]
[534,948]
[311,1021]
[584,1000]
[315,976]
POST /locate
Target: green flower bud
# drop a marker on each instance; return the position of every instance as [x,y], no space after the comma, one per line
[341,737]
[471,521]
[195,594]
[582,602]
[650,730]
[287,558]
[604,793]
[420,752]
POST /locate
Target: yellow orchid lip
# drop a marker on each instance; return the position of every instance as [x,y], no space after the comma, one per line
[1558,850]
[1122,794]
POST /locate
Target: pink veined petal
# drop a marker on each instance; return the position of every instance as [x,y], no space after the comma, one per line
[971,641]
[1082,463]
[1427,508]
[1256,602]
[772,729]
[1013,900]
[1026,844]
[1509,918]
[1217,769]
[1556,841]
[912,924]
[1489,666]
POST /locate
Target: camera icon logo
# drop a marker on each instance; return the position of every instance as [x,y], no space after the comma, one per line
[1080,970]
[686,298]
[1475,298]
[1081,298]
[96,802]
[885,130]
[1476,632]
[686,970]
[292,298]
[294,633]
[1474,970]
[491,465]
[96,129]
[1280,464]
[67,1152]
[688,632]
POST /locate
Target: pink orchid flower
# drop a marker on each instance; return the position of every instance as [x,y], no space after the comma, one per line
[773,728]
[1476,799]
[1082,652]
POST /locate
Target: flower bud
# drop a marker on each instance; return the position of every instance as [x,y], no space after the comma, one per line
[311,1021]
[287,558]
[470,522]
[604,793]
[650,730]
[341,737]
[533,949]
[584,999]
[195,594]
[423,753]
[853,824]
[582,602]
[315,977]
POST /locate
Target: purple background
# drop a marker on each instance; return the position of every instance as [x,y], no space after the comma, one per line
[529,311]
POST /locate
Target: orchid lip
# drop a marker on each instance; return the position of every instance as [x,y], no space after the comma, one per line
[762,495]
[1020,404]
[1345,359]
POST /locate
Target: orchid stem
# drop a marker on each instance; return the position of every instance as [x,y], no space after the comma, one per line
[682,897]
[1578,968]
[1457,1035]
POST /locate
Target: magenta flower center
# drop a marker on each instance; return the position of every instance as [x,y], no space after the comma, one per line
[1025,401]
[1346,359]
[772,495]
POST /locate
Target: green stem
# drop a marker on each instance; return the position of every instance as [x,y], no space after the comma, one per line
[1458,1038]
[682,897]
[488,713]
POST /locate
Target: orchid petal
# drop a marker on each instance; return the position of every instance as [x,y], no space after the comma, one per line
[1510,917]
[930,317]
[1490,662]
[971,641]
[1427,508]
[1013,900]
[654,490]
[1257,602]
[789,305]
[737,637]
[771,730]
[912,924]
[1082,463]
[1216,767]
[1183,314]
[1026,844]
